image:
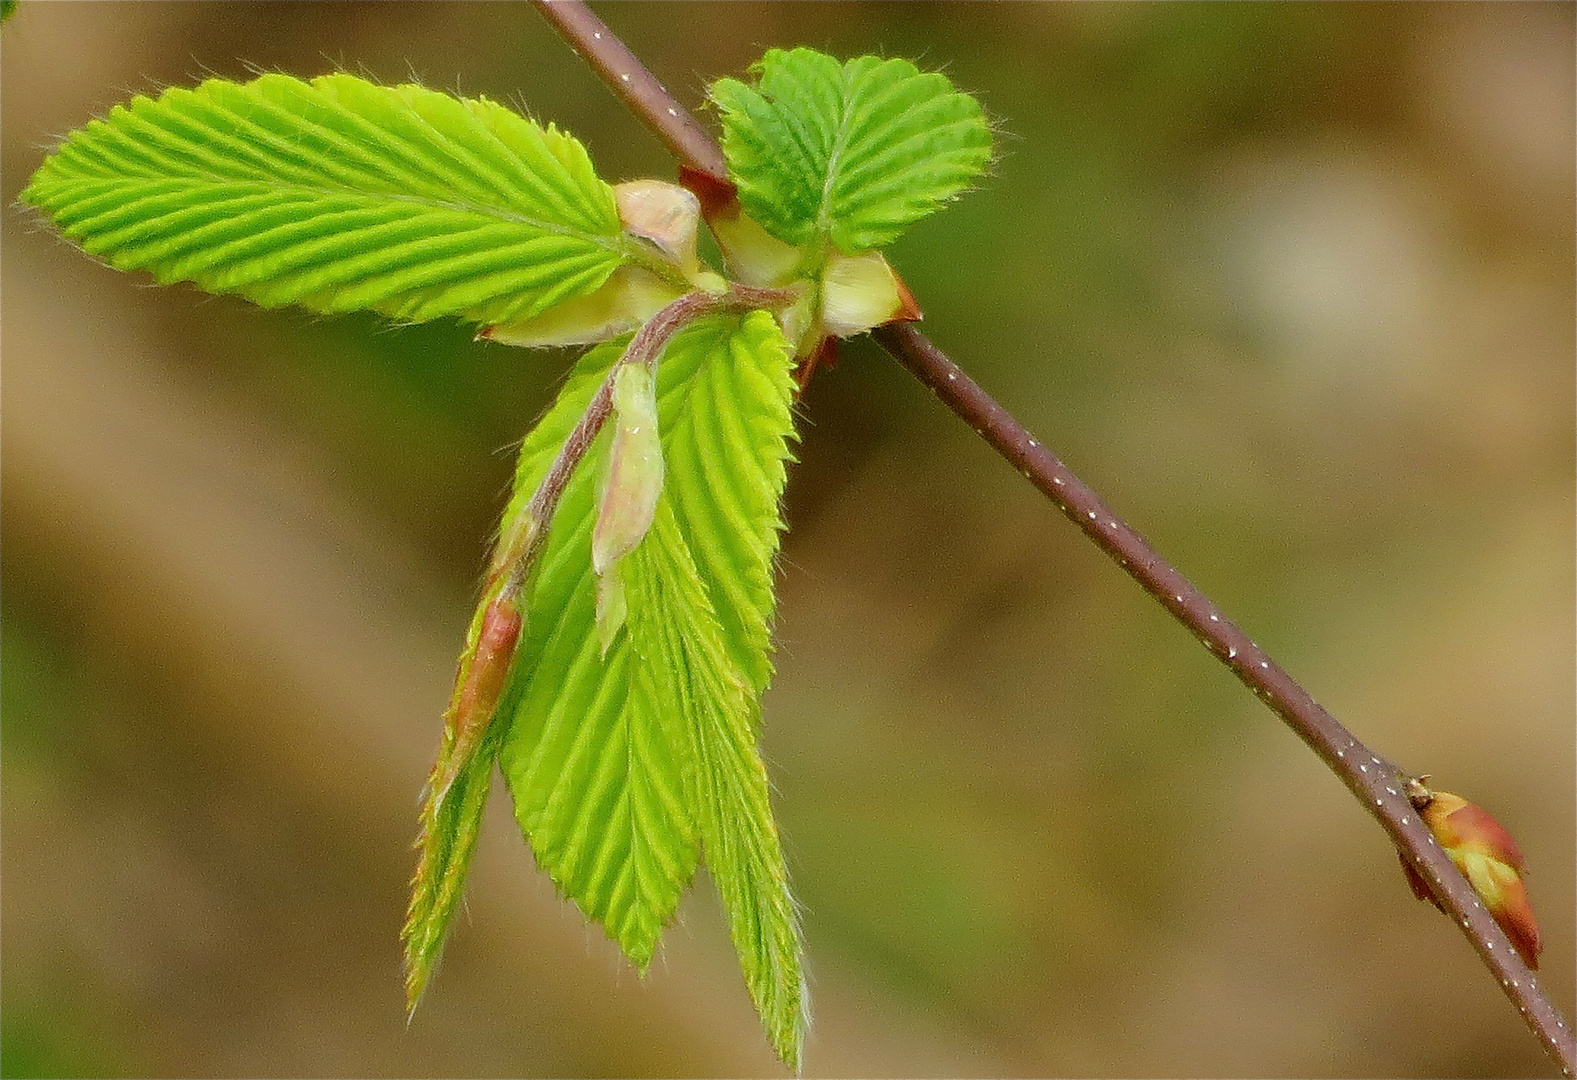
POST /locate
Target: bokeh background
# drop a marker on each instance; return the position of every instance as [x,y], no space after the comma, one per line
[1291,285]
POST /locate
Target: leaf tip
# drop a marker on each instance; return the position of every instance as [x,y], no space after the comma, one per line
[612,608]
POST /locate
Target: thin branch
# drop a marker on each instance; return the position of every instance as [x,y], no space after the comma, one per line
[1377,783]
[1374,781]
[634,85]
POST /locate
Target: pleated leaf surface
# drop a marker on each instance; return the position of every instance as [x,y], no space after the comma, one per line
[338,195]
[626,768]
[850,154]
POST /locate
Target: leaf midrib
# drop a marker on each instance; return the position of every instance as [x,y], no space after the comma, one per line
[840,146]
[612,242]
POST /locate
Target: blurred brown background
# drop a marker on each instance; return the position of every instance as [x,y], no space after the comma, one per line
[1291,285]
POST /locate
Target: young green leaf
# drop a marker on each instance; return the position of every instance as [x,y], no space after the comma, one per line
[625,764]
[716,539]
[674,622]
[448,840]
[848,154]
[339,195]
[458,788]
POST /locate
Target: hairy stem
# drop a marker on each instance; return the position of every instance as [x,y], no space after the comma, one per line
[646,347]
[1374,781]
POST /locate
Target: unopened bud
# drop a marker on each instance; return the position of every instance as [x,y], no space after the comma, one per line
[1486,855]
[665,214]
[634,479]
[495,648]
[862,291]
[481,680]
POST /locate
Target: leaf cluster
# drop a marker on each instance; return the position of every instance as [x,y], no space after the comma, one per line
[628,742]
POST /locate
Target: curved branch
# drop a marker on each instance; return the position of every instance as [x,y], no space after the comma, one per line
[1374,781]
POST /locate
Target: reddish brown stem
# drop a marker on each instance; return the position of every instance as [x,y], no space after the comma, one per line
[1373,780]
[634,85]
[1376,782]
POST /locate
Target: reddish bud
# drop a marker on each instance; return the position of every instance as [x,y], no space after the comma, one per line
[480,683]
[1486,855]
[495,648]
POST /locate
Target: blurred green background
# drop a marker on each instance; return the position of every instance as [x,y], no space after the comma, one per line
[1291,285]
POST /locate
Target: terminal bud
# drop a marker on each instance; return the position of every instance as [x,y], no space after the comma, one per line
[1486,855]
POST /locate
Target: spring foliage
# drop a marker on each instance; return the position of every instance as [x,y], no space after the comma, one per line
[615,664]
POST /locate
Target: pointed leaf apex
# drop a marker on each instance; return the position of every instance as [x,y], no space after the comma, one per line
[612,608]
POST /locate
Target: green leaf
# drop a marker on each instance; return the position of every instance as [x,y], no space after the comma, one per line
[849,154]
[625,766]
[449,833]
[457,789]
[682,636]
[590,759]
[338,195]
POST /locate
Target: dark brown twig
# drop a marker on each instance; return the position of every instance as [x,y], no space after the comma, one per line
[1373,780]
